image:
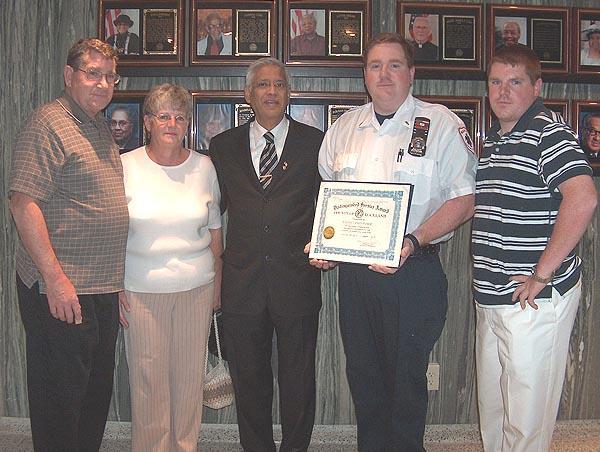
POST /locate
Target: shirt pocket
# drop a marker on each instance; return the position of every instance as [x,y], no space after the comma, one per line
[344,165]
[419,172]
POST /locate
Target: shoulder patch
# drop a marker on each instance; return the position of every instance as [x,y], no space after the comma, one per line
[466,138]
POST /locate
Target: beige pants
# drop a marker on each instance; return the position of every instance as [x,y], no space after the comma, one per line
[521,357]
[165,345]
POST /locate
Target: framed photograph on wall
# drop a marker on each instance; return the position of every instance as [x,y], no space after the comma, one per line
[125,119]
[143,32]
[560,106]
[325,33]
[226,32]
[321,110]
[445,36]
[216,112]
[469,109]
[586,44]
[543,29]
[586,121]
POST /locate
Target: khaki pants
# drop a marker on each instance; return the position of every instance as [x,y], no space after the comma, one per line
[165,345]
[521,357]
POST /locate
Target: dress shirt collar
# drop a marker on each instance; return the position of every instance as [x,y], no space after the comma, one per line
[402,117]
[279,132]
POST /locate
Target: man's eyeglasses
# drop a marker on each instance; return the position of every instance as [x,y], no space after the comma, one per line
[122,123]
[165,117]
[593,132]
[94,75]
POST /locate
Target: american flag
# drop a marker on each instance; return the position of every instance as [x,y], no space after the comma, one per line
[296,21]
[109,17]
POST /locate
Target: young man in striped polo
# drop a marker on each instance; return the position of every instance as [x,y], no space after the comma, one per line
[534,199]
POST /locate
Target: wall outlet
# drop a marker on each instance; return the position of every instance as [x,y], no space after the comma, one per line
[433,377]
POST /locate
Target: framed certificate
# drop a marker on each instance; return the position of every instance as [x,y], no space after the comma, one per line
[143,32]
[362,223]
[320,110]
[543,29]
[586,45]
[469,109]
[445,36]
[125,119]
[332,33]
[586,121]
[232,33]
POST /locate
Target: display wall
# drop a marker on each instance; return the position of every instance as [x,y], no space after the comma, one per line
[34,40]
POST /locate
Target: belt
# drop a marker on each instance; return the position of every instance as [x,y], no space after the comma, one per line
[427,250]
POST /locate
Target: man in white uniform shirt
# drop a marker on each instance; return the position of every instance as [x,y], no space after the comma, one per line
[390,318]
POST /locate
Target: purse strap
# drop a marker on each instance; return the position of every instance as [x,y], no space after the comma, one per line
[215,323]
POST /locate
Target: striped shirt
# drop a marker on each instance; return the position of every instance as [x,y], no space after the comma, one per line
[517,201]
[69,163]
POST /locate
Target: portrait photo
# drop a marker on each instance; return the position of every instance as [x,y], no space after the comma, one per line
[210,120]
[307,32]
[589,40]
[422,31]
[123,120]
[589,133]
[214,32]
[122,28]
[313,115]
[509,31]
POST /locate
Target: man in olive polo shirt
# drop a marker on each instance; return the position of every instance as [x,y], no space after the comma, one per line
[68,202]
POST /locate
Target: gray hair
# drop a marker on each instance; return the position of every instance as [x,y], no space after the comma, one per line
[168,95]
[258,64]
[587,121]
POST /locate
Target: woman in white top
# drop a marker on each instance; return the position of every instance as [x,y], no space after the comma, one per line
[172,275]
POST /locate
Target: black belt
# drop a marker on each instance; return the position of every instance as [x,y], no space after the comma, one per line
[427,250]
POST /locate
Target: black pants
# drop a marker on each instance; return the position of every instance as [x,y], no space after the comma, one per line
[69,370]
[389,324]
[248,340]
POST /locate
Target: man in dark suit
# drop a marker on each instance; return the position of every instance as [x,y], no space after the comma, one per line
[268,175]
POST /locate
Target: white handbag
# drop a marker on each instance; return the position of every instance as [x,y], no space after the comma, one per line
[218,388]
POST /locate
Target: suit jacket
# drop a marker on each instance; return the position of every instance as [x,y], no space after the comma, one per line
[263,261]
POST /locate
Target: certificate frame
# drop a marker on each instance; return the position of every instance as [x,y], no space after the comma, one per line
[219,107]
[561,106]
[535,25]
[127,106]
[469,109]
[156,26]
[584,21]
[362,223]
[445,21]
[326,107]
[582,111]
[327,48]
[260,15]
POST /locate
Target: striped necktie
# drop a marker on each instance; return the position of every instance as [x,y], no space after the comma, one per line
[268,160]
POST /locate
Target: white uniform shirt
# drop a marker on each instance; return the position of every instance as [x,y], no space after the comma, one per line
[171,209]
[357,148]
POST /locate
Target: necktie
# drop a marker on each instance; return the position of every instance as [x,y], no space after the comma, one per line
[268,160]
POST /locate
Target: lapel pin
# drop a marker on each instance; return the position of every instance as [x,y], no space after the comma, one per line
[284,167]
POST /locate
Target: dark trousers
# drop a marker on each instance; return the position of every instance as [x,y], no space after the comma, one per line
[69,370]
[389,324]
[248,339]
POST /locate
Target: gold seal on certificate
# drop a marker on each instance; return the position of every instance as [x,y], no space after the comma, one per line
[359,222]
[328,232]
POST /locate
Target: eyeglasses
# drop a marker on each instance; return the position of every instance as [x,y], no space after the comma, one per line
[278,84]
[94,75]
[165,117]
[121,123]
[593,132]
